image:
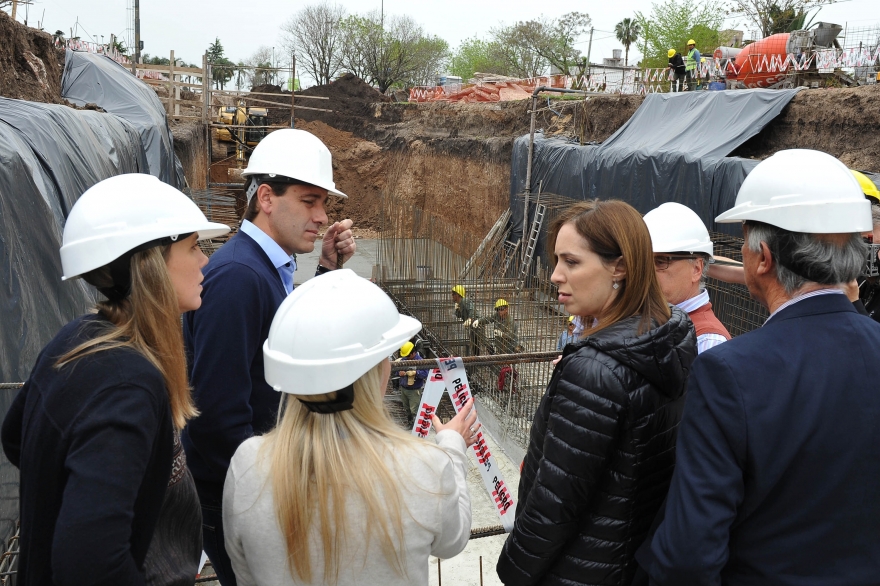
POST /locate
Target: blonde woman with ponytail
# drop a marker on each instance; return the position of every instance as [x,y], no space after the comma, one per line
[337,494]
[105,495]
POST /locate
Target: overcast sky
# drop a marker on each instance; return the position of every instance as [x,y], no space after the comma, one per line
[189,26]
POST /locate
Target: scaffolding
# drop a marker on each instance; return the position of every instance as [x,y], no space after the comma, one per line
[423,255]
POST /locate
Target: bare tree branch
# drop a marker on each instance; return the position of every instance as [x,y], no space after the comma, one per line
[314,35]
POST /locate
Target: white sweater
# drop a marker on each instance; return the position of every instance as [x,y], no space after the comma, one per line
[438,522]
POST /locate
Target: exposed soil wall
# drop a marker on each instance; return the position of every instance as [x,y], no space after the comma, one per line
[843,122]
[190,148]
[30,66]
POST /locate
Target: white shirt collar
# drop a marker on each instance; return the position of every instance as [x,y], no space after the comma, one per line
[694,303]
[793,300]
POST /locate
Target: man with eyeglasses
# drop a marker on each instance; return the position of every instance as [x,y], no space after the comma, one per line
[682,253]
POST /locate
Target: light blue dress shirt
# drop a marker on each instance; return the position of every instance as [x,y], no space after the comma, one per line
[285,264]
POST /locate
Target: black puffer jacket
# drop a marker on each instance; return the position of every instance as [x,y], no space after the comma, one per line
[600,456]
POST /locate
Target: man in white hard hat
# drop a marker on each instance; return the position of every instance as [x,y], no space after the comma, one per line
[682,253]
[289,179]
[777,468]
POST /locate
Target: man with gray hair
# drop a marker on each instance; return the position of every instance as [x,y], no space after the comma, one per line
[776,462]
[682,253]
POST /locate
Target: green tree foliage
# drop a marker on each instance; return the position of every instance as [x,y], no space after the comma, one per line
[775,16]
[672,23]
[476,55]
[529,45]
[393,53]
[222,69]
[627,32]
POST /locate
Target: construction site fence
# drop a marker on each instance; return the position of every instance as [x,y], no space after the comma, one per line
[653,80]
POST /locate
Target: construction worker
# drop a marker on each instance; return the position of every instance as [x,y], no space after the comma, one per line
[506,340]
[337,493]
[105,495]
[568,336]
[682,253]
[866,295]
[676,68]
[289,179]
[464,307]
[411,383]
[691,60]
[464,311]
[776,458]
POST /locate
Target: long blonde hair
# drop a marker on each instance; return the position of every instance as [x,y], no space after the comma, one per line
[148,321]
[318,461]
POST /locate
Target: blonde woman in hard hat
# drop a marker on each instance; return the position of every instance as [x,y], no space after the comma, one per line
[105,494]
[411,381]
[337,494]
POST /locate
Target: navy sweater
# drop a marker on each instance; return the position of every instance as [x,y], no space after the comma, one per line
[224,338]
[94,445]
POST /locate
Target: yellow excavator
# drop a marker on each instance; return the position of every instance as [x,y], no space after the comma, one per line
[238,119]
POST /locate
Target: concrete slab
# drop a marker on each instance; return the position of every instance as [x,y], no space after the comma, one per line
[361,263]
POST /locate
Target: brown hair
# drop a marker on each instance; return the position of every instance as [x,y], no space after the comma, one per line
[278,189]
[148,321]
[615,230]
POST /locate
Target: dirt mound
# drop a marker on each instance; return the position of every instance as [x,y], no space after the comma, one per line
[30,66]
[359,171]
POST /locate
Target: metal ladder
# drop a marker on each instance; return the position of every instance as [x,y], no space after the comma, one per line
[510,249]
[529,250]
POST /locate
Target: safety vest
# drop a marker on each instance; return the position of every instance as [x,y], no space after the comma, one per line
[690,62]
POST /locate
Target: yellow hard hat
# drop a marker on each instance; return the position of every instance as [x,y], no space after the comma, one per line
[671,52]
[570,318]
[458,290]
[702,59]
[692,42]
[868,188]
[406,349]
[500,303]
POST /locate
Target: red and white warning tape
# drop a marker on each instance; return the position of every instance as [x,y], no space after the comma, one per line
[452,378]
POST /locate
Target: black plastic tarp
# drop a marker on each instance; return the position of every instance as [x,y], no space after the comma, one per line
[90,78]
[674,148]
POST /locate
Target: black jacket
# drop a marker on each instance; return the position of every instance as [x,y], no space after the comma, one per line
[600,456]
[676,63]
[94,443]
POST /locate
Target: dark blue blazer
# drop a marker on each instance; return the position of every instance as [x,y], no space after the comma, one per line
[777,477]
[224,340]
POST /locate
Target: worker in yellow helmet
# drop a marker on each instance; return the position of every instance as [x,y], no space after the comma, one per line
[691,60]
[865,295]
[506,333]
[464,312]
[676,70]
[869,188]
[412,381]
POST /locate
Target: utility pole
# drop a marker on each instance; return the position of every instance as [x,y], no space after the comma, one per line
[589,50]
[137,32]
[14,8]
[381,15]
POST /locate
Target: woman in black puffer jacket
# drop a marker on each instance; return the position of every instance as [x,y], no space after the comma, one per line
[601,451]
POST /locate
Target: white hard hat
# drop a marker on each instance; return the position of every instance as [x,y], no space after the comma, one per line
[294,154]
[120,213]
[802,190]
[677,228]
[330,331]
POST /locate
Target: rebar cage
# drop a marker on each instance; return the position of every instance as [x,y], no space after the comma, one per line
[423,255]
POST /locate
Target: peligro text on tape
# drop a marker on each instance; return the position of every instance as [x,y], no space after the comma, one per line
[431,396]
[452,378]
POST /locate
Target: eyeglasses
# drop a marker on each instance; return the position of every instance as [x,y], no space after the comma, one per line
[499,309]
[661,263]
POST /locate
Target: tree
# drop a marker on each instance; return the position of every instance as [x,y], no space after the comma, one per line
[258,67]
[222,69]
[396,52]
[475,55]
[627,32]
[774,15]
[119,45]
[529,44]
[672,23]
[314,35]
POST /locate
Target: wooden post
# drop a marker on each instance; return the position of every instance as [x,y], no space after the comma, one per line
[205,89]
[292,86]
[171,87]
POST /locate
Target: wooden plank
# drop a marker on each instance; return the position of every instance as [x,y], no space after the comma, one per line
[286,105]
[165,82]
[215,125]
[184,102]
[176,116]
[245,94]
[166,68]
